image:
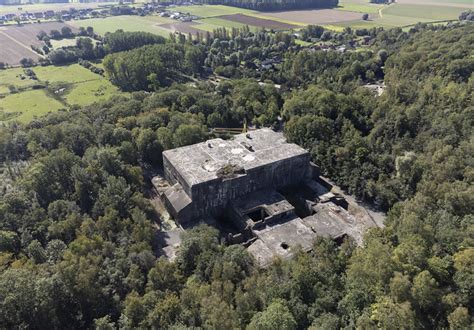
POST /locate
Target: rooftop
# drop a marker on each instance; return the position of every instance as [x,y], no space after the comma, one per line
[216,158]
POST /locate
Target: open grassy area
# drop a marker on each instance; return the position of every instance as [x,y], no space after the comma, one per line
[70,73]
[88,92]
[67,86]
[429,12]
[13,77]
[64,42]
[359,6]
[28,104]
[127,23]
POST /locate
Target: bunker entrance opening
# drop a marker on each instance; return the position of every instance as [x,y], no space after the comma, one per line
[258,214]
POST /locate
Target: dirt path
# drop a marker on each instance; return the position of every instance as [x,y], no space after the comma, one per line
[21,44]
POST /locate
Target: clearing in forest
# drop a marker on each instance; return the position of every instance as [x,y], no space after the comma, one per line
[57,87]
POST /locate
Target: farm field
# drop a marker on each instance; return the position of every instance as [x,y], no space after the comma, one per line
[212,10]
[359,6]
[420,11]
[16,40]
[164,26]
[67,86]
[209,24]
[12,52]
[183,27]
[127,23]
[32,8]
[315,16]
[449,3]
[257,21]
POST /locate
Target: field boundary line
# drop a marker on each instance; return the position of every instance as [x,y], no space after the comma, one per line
[21,44]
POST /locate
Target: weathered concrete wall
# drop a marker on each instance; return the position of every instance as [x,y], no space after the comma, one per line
[173,176]
[213,196]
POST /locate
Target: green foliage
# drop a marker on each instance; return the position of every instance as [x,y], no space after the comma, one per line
[151,67]
[77,237]
[276,316]
[120,41]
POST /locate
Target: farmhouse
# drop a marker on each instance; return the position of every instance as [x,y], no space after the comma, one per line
[259,190]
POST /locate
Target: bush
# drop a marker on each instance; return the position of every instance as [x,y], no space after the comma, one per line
[27,62]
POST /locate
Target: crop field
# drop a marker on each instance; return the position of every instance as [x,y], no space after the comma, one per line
[16,40]
[127,23]
[404,13]
[12,52]
[449,3]
[32,8]
[315,16]
[359,6]
[66,86]
[212,10]
[257,21]
[183,27]
[209,24]
[158,25]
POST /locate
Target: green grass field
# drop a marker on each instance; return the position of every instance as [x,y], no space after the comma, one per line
[70,73]
[423,12]
[85,93]
[28,105]
[359,6]
[126,23]
[404,15]
[82,87]
[12,77]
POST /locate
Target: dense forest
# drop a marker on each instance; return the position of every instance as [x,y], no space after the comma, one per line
[77,231]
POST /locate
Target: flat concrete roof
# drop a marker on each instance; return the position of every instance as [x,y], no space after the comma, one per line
[201,162]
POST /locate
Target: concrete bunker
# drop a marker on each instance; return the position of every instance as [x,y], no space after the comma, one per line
[260,191]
